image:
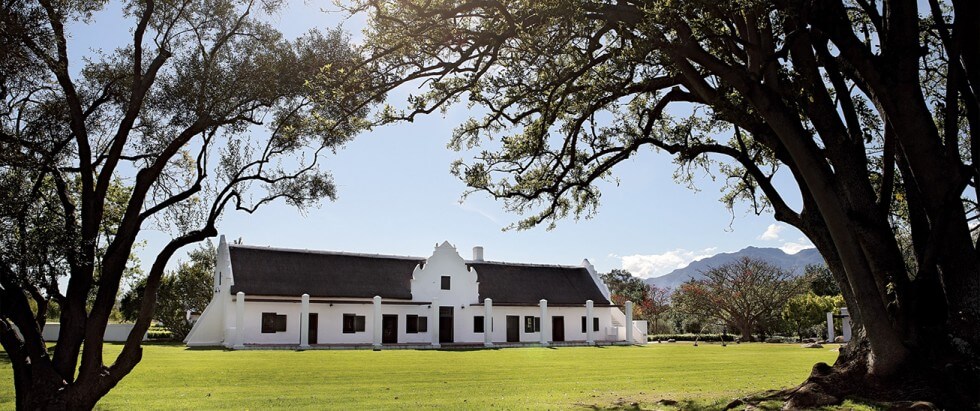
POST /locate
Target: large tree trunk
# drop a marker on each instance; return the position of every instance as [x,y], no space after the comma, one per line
[933,373]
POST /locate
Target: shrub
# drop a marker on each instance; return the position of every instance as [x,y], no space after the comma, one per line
[692,337]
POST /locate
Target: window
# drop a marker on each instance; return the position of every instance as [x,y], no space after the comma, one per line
[595,323]
[415,324]
[411,324]
[273,323]
[478,324]
[532,324]
[445,282]
[353,323]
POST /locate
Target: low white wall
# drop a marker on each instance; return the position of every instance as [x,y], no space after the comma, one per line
[113,332]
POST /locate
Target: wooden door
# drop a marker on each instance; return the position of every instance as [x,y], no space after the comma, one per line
[513,328]
[557,328]
[445,324]
[389,329]
[314,323]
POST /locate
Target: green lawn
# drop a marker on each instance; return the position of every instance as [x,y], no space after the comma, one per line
[173,377]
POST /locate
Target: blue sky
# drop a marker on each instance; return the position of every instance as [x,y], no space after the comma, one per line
[397,196]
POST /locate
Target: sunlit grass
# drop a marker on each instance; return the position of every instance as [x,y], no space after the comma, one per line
[174,377]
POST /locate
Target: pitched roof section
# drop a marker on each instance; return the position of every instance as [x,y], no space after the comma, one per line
[276,271]
[507,283]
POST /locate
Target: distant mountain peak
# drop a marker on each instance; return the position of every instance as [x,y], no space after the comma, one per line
[793,262]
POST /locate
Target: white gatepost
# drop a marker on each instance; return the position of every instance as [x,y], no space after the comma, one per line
[488,322]
[830,326]
[434,322]
[544,314]
[845,324]
[377,322]
[589,337]
[304,322]
[629,322]
[240,320]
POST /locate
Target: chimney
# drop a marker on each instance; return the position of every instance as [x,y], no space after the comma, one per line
[478,253]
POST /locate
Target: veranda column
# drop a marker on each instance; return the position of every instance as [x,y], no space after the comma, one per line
[377,322]
[830,326]
[589,338]
[488,323]
[544,314]
[304,322]
[434,322]
[629,322]
[240,320]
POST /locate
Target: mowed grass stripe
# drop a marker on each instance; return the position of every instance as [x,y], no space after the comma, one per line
[173,377]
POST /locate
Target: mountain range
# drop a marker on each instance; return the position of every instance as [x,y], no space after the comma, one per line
[792,262]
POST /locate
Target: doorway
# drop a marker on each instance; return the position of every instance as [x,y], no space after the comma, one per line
[389,329]
[313,325]
[557,328]
[513,328]
[445,324]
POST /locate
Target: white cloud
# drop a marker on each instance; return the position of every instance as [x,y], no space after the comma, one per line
[793,248]
[772,232]
[655,265]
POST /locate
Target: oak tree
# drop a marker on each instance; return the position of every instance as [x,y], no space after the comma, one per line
[204,107]
[869,107]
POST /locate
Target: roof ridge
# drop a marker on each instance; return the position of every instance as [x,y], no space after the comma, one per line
[325,252]
[522,264]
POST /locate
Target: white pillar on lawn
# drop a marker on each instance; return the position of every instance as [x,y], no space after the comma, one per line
[629,322]
[377,321]
[544,314]
[304,322]
[434,322]
[240,320]
[589,337]
[830,326]
[845,324]
[487,322]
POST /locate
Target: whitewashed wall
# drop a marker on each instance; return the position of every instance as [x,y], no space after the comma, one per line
[113,332]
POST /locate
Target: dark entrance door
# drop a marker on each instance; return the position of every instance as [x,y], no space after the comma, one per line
[389,329]
[557,328]
[513,328]
[445,324]
[314,323]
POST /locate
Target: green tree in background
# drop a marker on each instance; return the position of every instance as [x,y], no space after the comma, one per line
[809,310]
[747,295]
[188,288]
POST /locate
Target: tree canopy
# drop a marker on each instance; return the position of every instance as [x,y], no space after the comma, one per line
[204,107]
[747,295]
[870,107]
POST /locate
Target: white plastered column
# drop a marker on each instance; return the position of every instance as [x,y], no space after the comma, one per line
[240,320]
[488,322]
[629,322]
[845,324]
[304,322]
[377,322]
[544,324]
[830,326]
[589,336]
[434,322]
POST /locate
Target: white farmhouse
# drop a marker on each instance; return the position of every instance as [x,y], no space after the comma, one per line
[272,297]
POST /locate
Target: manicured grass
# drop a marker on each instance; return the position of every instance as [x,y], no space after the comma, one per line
[174,377]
